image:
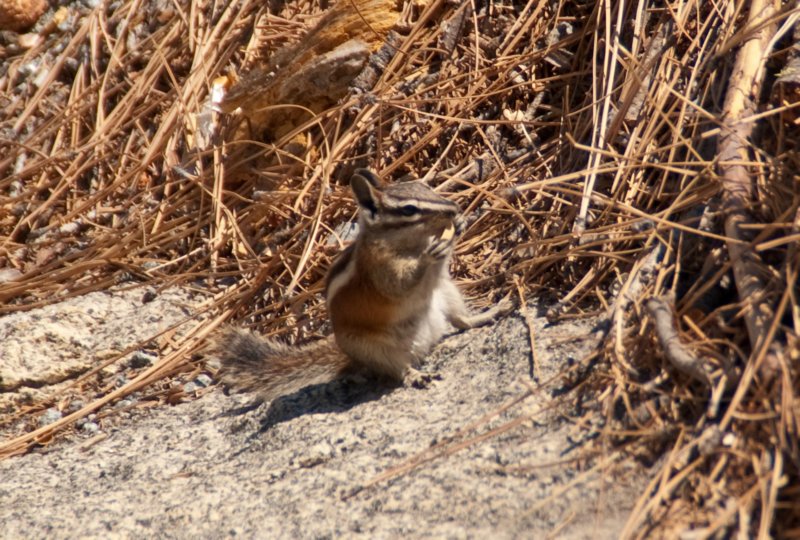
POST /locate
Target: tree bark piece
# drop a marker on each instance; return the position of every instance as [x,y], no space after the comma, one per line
[20,15]
[309,76]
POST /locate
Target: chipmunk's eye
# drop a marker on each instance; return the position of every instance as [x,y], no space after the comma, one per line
[409,210]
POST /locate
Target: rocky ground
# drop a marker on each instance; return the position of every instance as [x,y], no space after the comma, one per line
[309,465]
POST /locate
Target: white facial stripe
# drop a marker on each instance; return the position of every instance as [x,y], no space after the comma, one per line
[339,280]
[391,220]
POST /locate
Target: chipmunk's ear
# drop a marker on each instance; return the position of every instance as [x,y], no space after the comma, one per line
[366,187]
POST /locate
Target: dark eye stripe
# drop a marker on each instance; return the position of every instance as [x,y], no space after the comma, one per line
[422,213]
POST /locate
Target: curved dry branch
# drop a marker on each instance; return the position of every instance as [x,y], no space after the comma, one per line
[737,184]
[660,309]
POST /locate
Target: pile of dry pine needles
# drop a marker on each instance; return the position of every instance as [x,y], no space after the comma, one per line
[636,159]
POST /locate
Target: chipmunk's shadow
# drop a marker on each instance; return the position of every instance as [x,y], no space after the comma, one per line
[337,396]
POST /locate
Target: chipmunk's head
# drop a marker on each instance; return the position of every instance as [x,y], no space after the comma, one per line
[411,209]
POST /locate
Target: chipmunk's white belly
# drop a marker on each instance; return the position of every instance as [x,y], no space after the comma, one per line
[433,326]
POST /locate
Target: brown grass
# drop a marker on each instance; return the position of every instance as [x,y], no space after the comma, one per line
[581,139]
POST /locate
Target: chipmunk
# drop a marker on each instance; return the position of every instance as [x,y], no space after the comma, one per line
[389,296]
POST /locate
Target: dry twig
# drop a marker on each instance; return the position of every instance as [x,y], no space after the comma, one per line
[660,308]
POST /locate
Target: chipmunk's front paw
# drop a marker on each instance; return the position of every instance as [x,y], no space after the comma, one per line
[420,379]
[439,247]
[504,307]
[442,245]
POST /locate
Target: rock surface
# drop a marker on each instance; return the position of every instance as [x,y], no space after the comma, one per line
[301,467]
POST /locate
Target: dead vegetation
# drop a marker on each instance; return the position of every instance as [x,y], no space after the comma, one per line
[606,154]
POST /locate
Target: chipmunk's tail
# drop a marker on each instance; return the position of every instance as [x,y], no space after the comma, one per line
[272,369]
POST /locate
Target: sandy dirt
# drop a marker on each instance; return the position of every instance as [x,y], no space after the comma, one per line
[304,466]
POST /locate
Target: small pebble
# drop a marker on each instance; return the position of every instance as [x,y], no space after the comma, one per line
[70,228]
[317,454]
[50,416]
[9,274]
[90,427]
[729,440]
[489,453]
[29,41]
[123,403]
[75,406]
[140,359]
